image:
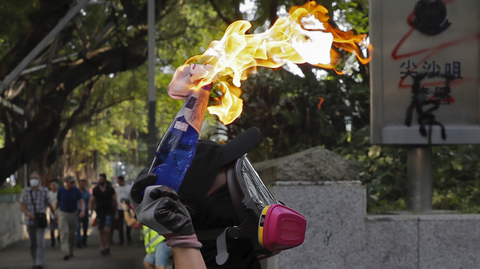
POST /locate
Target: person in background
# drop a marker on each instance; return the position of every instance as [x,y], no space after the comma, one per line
[130,218]
[157,250]
[68,198]
[82,224]
[104,201]
[121,190]
[173,215]
[35,199]
[53,225]
[155,245]
[93,185]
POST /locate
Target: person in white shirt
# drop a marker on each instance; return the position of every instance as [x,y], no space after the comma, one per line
[53,225]
[122,190]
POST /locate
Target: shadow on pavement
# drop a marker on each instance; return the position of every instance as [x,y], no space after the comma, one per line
[17,255]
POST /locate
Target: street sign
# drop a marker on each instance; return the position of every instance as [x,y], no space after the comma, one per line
[425,72]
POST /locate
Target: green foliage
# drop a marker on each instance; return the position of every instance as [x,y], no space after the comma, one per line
[456,173]
[354,13]
[14,18]
[285,106]
[2,135]
[114,131]
[11,190]
[382,170]
[113,126]
[186,33]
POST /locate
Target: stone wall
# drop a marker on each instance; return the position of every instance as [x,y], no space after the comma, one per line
[335,225]
[11,224]
[341,235]
[424,241]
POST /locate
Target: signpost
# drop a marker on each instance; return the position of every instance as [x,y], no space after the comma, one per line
[424,81]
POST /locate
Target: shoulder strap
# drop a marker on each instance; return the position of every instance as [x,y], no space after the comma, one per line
[33,202]
[212,234]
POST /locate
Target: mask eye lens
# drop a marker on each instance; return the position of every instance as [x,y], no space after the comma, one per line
[259,193]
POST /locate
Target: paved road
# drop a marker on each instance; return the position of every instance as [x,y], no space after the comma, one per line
[16,256]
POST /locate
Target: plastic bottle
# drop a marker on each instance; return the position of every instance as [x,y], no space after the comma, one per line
[176,149]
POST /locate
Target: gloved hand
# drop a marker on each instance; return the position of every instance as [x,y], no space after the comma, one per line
[160,209]
[142,203]
[170,212]
[187,77]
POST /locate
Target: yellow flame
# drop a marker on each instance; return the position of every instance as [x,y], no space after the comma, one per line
[230,99]
[237,54]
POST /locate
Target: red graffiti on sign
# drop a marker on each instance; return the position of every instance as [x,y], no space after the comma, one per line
[429,52]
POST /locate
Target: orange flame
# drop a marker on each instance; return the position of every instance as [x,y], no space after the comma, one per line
[296,38]
[319,106]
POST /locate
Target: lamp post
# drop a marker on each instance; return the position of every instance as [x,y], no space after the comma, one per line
[117,169]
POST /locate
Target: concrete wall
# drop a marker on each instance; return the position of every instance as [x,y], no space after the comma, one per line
[424,241]
[11,223]
[341,235]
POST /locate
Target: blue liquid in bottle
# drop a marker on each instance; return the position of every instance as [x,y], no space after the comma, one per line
[176,149]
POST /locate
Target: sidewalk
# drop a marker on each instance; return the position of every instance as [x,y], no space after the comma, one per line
[17,256]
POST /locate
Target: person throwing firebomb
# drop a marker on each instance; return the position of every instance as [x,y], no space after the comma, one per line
[222,216]
[209,208]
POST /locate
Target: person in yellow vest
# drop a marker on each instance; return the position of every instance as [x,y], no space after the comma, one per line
[157,250]
[155,245]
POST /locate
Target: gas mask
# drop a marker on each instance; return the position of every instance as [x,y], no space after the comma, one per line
[269,224]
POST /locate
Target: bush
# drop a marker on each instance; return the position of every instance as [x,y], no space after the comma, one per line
[383,170]
[11,190]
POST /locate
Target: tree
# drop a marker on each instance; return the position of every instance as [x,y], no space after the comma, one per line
[107,39]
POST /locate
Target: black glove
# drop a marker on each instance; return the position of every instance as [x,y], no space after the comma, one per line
[142,181]
[158,207]
[142,203]
[170,212]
